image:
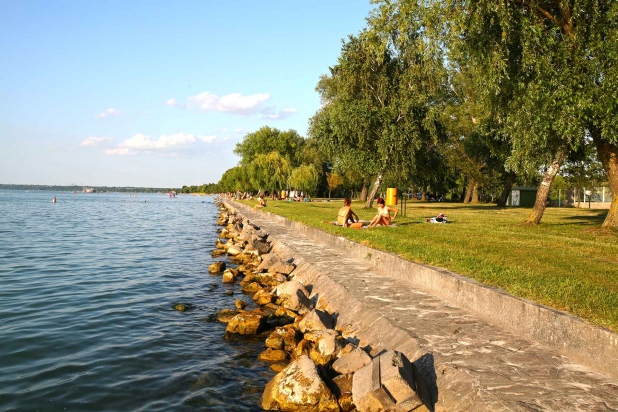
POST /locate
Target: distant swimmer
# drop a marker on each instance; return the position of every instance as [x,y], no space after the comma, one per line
[54,199]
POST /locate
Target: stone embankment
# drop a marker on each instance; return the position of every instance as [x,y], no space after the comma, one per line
[439,356]
[318,369]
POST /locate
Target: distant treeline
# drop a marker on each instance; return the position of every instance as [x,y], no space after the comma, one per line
[205,188]
[75,188]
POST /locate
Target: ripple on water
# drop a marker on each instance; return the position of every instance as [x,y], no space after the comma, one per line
[87,288]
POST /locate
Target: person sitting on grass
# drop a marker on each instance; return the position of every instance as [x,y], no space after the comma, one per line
[346,217]
[383,217]
[261,203]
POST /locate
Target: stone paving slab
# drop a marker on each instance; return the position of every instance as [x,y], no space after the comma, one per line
[469,363]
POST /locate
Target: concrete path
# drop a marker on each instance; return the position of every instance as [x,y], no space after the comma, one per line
[471,364]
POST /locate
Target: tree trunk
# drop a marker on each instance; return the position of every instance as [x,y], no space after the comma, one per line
[504,196]
[464,191]
[543,190]
[608,155]
[468,194]
[363,196]
[475,194]
[329,194]
[374,190]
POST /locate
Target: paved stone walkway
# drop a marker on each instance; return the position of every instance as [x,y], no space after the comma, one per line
[477,366]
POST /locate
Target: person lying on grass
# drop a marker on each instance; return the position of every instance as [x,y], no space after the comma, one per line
[383,217]
[438,219]
[346,217]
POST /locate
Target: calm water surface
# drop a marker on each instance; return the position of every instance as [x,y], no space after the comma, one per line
[87,287]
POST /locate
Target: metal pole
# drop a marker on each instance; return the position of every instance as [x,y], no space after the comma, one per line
[559,196]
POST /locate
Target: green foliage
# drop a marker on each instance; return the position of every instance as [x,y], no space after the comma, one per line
[334,181]
[269,171]
[288,144]
[447,95]
[305,178]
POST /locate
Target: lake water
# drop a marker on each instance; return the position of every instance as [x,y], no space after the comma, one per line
[87,289]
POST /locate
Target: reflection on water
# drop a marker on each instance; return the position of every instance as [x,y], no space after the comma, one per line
[87,289]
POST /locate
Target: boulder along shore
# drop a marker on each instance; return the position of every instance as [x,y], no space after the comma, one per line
[318,368]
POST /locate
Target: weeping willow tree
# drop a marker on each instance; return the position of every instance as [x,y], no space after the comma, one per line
[305,178]
[269,172]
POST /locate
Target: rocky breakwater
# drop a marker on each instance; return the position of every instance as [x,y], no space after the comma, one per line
[317,368]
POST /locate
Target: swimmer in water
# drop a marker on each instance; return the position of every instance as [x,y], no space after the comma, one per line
[54,199]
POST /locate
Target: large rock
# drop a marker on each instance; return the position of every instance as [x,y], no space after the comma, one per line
[342,388]
[257,245]
[303,348]
[242,258]
[299,387]
[278,367]
[229,276]
[326,345]
[272,279]
[267,261]
[316,320]
[284,312]
[294,296]
[246,323]
[352,362]
[290,288]
[216,267]
[273,355]
[263,297]
[240,304]
[234,250]
[251,287]
[283,337]
[217,253]
[283,268]
[384,383]
[226,315]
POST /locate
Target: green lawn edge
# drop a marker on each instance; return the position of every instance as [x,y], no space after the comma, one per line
[567,262]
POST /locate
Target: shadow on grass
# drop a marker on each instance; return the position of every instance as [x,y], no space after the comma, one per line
[596,217]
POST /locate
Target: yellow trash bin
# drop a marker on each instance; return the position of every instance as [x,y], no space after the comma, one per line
[391,196]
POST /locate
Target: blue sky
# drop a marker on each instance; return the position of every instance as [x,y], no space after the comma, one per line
[147,93]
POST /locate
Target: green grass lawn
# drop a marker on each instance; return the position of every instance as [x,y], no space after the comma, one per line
[567,262]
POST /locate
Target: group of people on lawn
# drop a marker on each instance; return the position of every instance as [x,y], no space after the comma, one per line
[347,218]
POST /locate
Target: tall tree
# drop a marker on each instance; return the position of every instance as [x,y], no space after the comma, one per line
[289,144]
[565,78]
[372,113]
[269,172]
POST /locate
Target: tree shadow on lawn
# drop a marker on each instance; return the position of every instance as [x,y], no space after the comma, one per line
[596,217]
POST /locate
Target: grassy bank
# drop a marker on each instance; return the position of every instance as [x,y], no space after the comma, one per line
[567,262]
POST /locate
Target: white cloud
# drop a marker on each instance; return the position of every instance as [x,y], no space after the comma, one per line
[238,130]
[141,142]
[96,141]
[271,113]
[230,103]
[171,102]
[108,112]
[120,151]
[207,139]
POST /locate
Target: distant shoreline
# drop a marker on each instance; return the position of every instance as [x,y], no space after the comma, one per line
[76,188]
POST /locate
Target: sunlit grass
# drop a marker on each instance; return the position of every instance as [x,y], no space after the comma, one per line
[567,262]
